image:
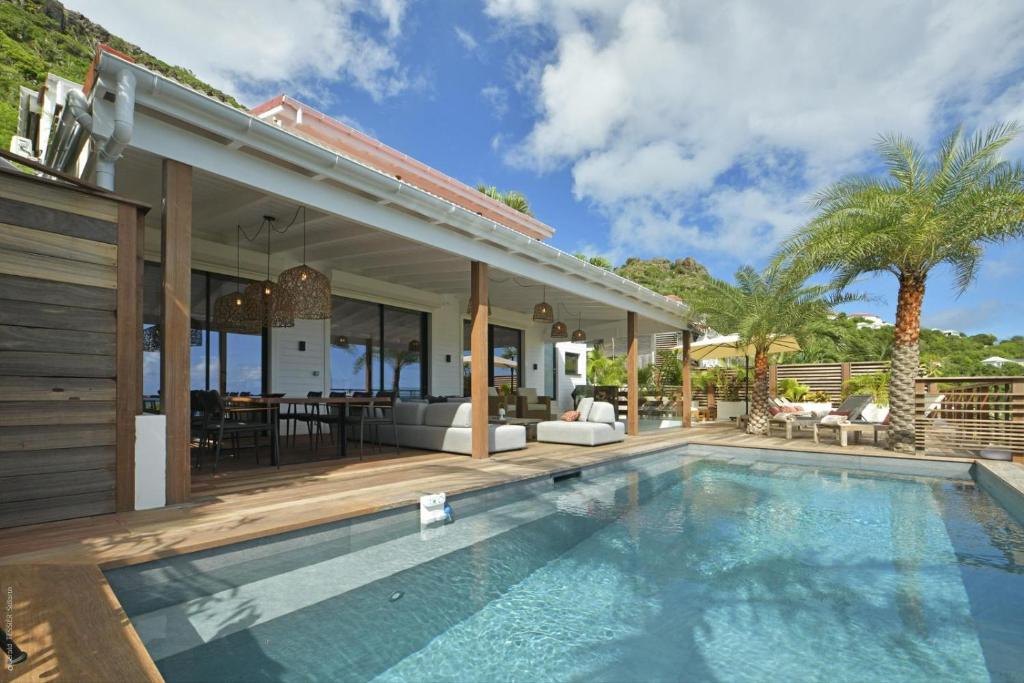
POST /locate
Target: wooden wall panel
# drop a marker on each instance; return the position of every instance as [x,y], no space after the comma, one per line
[59,342]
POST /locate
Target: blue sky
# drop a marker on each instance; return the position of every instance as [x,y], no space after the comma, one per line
[635,127]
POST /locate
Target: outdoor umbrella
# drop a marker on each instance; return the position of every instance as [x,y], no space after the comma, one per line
[730,346]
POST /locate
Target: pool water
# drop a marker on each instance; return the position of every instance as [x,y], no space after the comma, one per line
[676,568]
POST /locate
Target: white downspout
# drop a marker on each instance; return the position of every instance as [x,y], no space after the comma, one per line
[124,121]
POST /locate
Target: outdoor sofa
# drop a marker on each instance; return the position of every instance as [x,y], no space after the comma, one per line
[446,427]
[596,425]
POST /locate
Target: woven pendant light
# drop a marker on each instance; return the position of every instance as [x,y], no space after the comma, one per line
[229,309]
[559,330]
[578,335]
[543,312]
[262,302]
[308,289]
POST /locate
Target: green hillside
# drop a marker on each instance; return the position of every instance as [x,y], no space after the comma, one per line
[37,37]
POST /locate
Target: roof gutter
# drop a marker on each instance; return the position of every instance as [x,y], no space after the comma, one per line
[246,129]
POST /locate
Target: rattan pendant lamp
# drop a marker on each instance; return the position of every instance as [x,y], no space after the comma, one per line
[229,309]
[578,335]
[543,312]
[263,303]
[307,288]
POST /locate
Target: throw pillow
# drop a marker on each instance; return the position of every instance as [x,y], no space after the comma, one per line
[790,409]
[774,409]
[570,416]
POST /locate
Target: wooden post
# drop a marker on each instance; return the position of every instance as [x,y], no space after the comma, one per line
[478,358]
[632,383]
[687,384]
[773,380]
[129,349]
[176,257]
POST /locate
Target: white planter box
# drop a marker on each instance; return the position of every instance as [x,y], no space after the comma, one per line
[729,409]
[150,461]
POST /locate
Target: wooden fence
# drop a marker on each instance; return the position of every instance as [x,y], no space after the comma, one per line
[963,416]
[70,361]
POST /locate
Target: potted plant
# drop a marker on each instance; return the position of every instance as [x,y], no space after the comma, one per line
[730,403]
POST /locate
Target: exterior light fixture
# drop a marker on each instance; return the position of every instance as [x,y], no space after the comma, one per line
[559,330]
[543,312]
[578,334]
[264,304]
[342,342]
[308,289]
[229,309]
[414,346]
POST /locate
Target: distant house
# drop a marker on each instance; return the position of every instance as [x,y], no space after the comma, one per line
[948,333]
[999,361]
[869,321]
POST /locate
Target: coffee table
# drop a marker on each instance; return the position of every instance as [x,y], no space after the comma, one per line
[528,422]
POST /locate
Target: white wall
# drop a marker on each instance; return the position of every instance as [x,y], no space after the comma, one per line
[446,340]
[297,372]
[568,383]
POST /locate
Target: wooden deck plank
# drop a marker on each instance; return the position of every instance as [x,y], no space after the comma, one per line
[71,625]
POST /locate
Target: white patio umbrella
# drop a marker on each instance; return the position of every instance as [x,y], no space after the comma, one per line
[730,346]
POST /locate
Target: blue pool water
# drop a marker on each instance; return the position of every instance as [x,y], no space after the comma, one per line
[676,568]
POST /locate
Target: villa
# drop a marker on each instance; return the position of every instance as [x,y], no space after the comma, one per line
[280,402]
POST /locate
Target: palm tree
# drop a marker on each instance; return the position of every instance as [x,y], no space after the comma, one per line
[517,200]
[761,307]
[922,213]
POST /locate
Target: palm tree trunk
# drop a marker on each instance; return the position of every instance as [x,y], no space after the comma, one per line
[906,361]
[758,421]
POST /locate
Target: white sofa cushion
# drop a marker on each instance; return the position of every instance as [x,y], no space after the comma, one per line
[410,413]
[602,412]
[448,415]
[457,439]
[584,408]
[580,433]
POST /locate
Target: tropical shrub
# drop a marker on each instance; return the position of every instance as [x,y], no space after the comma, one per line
[791,389]
[875,385]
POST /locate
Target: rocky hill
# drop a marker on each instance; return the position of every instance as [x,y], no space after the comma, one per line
[40,36]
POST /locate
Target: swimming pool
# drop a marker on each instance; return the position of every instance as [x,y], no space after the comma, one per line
[699,564]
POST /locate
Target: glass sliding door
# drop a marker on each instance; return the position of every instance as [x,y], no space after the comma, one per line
[403,349]
[355,345]
[377,348]
[505,347]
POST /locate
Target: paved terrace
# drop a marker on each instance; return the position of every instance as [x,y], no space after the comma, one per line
[58,564]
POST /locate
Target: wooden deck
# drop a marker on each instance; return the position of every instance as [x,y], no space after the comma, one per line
[58,564]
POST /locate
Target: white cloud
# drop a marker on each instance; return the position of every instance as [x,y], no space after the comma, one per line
[497,98]
[251,50]
[707,123]
[466,38]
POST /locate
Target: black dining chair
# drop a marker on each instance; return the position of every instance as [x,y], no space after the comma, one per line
[233,422]
[308,414]
[333,417]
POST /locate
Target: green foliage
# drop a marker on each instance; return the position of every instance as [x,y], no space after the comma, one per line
[37,37]
[645,377]
[605,370]
[517,200]
[818,397]
[762,306]
[875,385]
[791,389]
[726,383]
[663,276]
[669,370]
[599,261]
[922,213]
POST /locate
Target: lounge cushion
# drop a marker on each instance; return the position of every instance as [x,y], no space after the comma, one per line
[457,439]
[602,412]
[407,413]
[448,415]
[584,408]
[580,433]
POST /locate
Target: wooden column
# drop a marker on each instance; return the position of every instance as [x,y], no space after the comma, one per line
[632,383]
[176,258]
[478,357]
[130,226]
[687,384]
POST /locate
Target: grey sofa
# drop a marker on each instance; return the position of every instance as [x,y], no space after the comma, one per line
[596,425]
[446,427]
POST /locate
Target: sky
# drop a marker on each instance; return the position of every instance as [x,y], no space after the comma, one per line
[635,127]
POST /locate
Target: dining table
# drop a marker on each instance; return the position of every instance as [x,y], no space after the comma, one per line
[341,404]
